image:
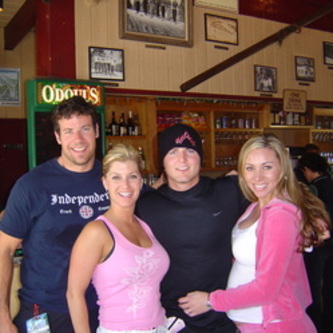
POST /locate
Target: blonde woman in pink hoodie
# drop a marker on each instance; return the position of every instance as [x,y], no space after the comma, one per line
[268,290]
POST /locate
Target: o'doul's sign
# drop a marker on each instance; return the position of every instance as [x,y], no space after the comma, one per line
[55,92]
[294,100]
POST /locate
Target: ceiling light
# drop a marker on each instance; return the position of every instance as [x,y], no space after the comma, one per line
[1,5]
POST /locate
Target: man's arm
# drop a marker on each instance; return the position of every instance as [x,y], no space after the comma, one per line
[8,245]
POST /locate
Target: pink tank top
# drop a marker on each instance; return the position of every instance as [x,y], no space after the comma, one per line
[128,283]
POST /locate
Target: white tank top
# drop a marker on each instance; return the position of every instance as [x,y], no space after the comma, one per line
[244,243]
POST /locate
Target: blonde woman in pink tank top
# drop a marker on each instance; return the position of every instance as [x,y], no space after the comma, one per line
[119,253]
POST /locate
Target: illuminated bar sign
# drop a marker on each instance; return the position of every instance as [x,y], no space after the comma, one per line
[55,92]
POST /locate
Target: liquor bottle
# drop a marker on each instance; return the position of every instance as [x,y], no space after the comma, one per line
[108,129]
[137,126]
[114,126]
[122,125]
[142,158]
[130,124]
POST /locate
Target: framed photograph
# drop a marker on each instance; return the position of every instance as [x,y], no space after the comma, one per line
[165,22]
[226,5]
[221,29]
[106,64]
[10,86]
[265,79]
[305,70]
[328,53]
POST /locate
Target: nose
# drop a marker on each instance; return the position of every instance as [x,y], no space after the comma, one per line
[78,135]
[182,155]
[258,174]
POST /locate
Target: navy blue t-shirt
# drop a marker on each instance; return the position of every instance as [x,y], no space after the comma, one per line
[47,208]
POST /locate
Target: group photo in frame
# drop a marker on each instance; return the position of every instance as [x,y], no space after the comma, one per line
[10,86]
[304,68]
[106,64]
[157,21]
[220,29]
[328,53]
[265,79]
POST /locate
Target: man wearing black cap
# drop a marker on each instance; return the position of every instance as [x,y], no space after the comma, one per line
[192,216]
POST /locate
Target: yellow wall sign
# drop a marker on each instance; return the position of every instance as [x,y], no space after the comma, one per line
[294,100]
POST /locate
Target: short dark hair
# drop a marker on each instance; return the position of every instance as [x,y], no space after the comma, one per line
[315,163]
[311,148]
[75,105]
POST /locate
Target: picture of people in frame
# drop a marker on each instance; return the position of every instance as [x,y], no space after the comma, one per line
[265,79]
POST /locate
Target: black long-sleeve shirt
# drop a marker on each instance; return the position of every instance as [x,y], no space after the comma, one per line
[195,227]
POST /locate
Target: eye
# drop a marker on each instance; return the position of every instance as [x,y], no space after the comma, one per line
[67,131]
[248,168]
[134,176]
[267,167]
[115,177]
[87,128]
[190,151]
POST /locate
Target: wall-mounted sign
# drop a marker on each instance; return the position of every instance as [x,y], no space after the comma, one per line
[227,5]
[294,100]
[55,92]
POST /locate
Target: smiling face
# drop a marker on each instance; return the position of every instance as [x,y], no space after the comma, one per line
[77,137]
[124,182]
[262,173]
[182,166]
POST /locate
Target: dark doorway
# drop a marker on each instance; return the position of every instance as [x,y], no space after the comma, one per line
[13,155]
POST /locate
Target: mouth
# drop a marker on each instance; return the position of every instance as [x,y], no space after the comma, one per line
[78,149]
[183,168]
[259,187]
[125,194]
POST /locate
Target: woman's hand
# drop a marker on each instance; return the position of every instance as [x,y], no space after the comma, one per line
[325,233]
[195,303]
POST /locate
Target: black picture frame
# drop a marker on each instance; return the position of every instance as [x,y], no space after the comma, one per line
[328,53]
[161,22]
[304,69]
[106,64]
[221,29]
[265,79]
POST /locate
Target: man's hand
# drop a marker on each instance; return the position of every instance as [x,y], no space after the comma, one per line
[194,303]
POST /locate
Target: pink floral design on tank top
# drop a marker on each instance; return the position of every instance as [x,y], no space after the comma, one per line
[138,278]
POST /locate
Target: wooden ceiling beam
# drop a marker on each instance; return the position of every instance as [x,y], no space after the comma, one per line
[236,58]
[20,24]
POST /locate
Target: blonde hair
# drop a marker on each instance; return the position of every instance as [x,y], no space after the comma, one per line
[121,152]
[288,188]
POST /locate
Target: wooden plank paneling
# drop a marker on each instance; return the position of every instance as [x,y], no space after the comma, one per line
[167,69]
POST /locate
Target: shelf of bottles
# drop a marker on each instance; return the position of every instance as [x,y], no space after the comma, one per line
[281,118]
[130,127]
[238,121]
[231,137]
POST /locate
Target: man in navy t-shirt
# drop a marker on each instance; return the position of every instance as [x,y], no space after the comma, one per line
[46,210]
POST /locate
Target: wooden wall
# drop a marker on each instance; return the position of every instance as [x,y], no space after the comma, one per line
[97,24]
[23,57]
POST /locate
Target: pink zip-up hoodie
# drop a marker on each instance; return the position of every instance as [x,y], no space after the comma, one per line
[281,285]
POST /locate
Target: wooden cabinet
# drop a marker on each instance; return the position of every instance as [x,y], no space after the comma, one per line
[220,145]
[322,132]
[144,109]
[223,126]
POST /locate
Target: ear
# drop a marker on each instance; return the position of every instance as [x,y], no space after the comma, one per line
[104,183]
[97,131]
[57,136]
